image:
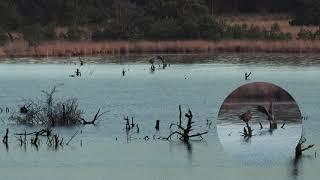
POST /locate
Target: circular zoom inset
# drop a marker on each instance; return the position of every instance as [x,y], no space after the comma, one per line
[259,123]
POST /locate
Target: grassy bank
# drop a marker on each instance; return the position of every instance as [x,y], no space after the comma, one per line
[90,48]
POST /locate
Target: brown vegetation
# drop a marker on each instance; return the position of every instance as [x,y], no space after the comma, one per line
[89,48]
[259,92]
[52,112]
[266,21]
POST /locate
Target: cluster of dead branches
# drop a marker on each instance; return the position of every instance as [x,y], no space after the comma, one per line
[52,112]
[162,63]
[130,126]
[184,132]
[300,148]
[52,140]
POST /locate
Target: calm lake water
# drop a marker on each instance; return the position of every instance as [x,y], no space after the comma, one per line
[199,82]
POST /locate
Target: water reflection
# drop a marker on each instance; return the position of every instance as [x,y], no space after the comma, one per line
[296,166]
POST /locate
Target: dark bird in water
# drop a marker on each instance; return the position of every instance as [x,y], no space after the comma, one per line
[157,127]
[245,132]
[270,114]
[132,124]
[247,75]
[123,72]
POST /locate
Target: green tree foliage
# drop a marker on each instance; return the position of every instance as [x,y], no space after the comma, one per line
[32,34]
[147,19]
[243,32]
[305,34]
[36,33]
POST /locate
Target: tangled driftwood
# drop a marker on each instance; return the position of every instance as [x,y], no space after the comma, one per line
[299,148]
[184,132]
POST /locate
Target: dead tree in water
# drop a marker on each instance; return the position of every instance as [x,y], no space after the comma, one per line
[5,138]
[163,61]
[54,141]
[184,132]
[246,117]
[247,75]
[95,118]
[299,148]
[36,141]
[157,127]
[78,73]
[128,127]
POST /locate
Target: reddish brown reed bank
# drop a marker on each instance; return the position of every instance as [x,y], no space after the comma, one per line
[90,48]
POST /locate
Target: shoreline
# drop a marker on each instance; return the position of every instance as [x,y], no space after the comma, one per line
[89,48]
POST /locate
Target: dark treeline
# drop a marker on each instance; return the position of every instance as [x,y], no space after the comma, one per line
[138,19]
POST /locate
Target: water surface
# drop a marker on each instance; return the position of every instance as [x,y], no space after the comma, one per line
[197,82]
